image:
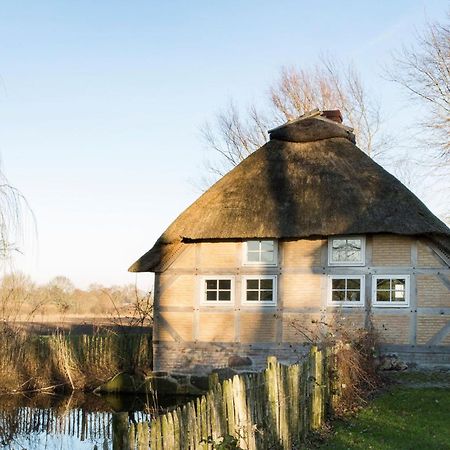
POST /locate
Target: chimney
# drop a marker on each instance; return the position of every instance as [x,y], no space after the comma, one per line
[333,114]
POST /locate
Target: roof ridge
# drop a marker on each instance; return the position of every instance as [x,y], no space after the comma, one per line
[316,114]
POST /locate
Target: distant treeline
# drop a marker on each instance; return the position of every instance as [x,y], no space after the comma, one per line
[21,298]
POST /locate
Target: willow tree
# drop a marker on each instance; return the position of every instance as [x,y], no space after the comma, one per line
[14,210]
[233,135]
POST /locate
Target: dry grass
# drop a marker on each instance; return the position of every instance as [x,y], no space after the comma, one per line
[63,362]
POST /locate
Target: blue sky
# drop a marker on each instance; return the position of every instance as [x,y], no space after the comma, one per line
[101,103]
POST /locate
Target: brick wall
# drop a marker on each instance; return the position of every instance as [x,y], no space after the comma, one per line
[391,250]
[201,359]
[393,329]
[428,326]
[431,292]
[302,281]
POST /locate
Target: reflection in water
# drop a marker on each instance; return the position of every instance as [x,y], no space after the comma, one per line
[76,422]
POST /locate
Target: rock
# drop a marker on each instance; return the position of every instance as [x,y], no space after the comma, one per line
[224,373]
[159,373]
[201,382]
[180,377]
[162,385]
[392,362]
[239,361]
[123,382]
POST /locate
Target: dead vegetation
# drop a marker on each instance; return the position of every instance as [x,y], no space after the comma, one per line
[59,360]
[355,357]
[62,362]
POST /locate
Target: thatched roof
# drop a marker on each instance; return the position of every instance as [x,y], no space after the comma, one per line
[309,180]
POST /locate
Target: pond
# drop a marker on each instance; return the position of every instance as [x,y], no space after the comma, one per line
[78,421]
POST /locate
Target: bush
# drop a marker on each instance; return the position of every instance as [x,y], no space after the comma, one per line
[354,363]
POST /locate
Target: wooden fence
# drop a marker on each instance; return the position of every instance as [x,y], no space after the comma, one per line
[272,409]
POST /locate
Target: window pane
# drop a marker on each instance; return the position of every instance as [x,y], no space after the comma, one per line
[346,250]
[252,295]
[211,284]
[383,283]
[338,283]
[253,245]
[353,283]
[353,250]
[354,244]
[353,296]
[266,296]
[383,296]
[338,255]
[338,296]
[253,256]
[225,295]
[267,257]
[252,284]
[353,256]
[266,284]
[398,282]
[267,246]
[338,243]
[398,287]
[224,284]
[211,295]
[339,250]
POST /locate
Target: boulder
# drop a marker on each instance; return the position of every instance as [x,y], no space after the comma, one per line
[124,382]
[239,361]
[224,373]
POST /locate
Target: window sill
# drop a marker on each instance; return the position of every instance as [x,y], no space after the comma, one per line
[391,305]
[346,305]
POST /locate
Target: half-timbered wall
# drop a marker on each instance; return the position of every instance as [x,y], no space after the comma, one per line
[194,337]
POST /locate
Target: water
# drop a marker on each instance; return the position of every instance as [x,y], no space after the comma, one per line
[78,421]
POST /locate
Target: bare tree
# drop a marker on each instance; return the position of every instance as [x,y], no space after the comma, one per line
[328,85]
[60,292]
[423,70]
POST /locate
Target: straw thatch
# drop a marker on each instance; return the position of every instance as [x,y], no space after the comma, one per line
[294,189]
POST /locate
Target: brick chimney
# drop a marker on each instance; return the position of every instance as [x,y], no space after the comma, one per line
[333,114]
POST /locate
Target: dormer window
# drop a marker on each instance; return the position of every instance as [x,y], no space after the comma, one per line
[260,253]
[346,251]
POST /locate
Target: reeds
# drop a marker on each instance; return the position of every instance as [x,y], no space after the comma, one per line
[29,362]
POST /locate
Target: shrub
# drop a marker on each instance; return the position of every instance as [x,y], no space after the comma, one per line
[354,364]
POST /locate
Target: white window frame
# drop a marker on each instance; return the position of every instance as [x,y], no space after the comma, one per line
[246,262]
[205,302]
[377,304]
[346,263]
[346,304]
[259,303]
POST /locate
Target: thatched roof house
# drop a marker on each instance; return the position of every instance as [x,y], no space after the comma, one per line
[309,180]
[307,226]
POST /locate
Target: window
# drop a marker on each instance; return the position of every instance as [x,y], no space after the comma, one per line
[217,290]
[346,290]
[260,253]
[346,251]
[260,290]
[390,290]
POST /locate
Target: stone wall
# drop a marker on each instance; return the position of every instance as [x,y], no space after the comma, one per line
[201,358]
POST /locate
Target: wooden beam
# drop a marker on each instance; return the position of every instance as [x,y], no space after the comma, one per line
[413,296]
[440,335]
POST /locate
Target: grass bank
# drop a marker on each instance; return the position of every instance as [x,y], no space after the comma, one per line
[404,418]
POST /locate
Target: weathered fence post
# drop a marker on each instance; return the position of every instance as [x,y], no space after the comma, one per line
[270,409]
